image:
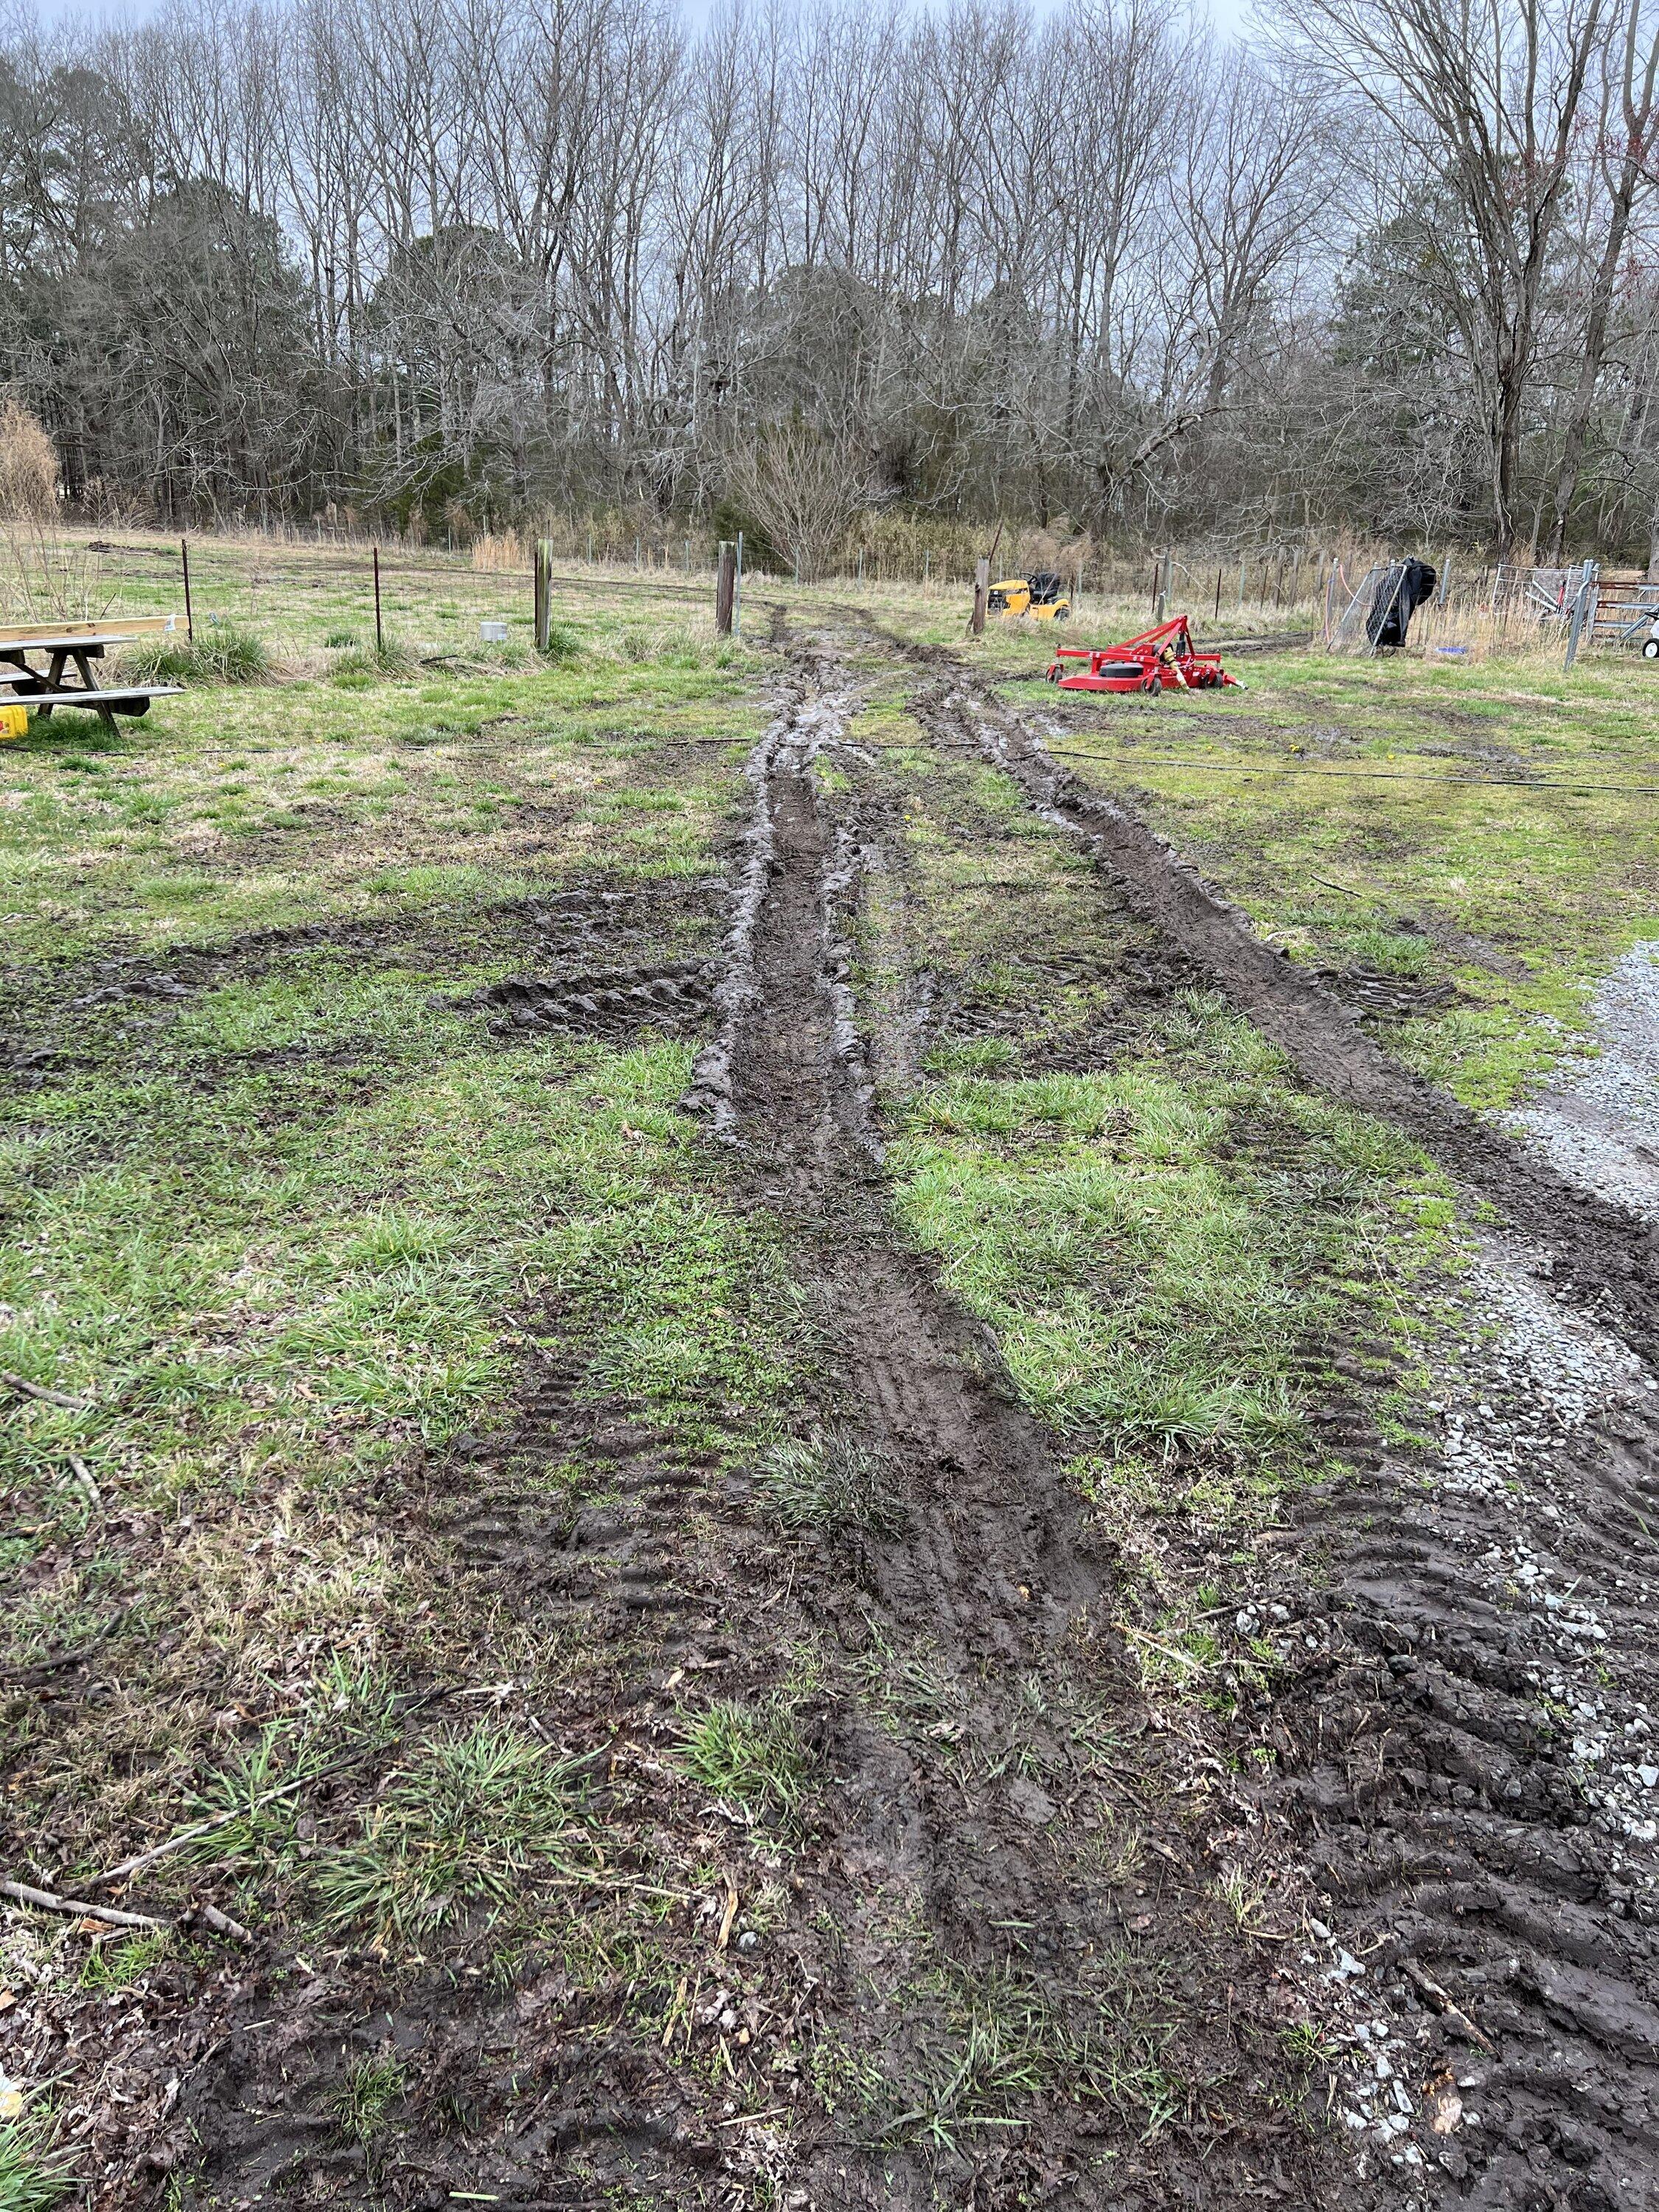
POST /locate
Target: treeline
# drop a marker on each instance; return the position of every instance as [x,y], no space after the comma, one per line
[447,261]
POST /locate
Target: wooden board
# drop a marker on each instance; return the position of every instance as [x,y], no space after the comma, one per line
[113,697]
[92,645]
[77,632]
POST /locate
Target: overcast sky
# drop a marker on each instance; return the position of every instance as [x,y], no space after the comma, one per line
[1226,14]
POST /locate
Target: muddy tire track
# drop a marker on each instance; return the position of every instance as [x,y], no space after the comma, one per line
[1604,1252]
[994,1578]
[1467,1715]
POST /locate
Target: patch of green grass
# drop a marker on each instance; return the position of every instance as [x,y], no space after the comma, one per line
[751,1755]
[1443,801]
[471,1821]
[831,1483]
[33,2176]
[373,2085]
[1148,1284]
[1389,952]
[116,1966]
[990,1056]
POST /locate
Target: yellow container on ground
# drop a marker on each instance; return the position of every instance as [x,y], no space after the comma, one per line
[14,722]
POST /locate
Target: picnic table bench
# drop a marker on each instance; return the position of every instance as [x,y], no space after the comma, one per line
[24,644]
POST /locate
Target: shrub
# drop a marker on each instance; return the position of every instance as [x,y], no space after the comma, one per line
[224,654]
[28,465]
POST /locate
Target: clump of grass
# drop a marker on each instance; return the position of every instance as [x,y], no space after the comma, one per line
[1389,952]
[118,1966]
[986,1055]
[563,643]
[261,1827]
[371,2086]
[634,644]
[33,2177]
[751,1755]
[223,652]
[338,640]
[459,1831]
[1006,2041]
[360,664]
[678,648]
[395,1238]
[831,1483]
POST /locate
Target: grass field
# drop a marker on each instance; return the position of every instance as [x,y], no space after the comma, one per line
[291,1204]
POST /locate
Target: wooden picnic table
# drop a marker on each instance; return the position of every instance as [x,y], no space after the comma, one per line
[22,645]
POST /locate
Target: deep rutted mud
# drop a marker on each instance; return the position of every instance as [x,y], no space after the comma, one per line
[998,1946]
[1471,1692]
[994,1578]
[1461,1718]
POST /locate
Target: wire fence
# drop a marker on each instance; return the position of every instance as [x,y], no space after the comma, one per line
[1472,610]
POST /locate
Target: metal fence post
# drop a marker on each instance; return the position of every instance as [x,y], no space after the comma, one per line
[1583,607]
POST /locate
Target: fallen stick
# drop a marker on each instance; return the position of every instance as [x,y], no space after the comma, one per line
[221,1922]
[41,1668]
[1443,2003]
[86,1481]
[39,1390]
[50,1903]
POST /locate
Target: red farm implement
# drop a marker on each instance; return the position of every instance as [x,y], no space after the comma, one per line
[1157,660]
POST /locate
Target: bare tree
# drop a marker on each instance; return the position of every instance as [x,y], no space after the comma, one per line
[1619,176]
[1490,102]
[447,257]
[804,490]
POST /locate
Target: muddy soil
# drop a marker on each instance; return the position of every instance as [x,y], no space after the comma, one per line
[991,1573]
[998,1947]
[987,1958]
[1471,1688]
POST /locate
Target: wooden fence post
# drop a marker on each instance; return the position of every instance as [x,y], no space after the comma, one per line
[190,615]
[544,594]
[725,588]
[981,594]
[380,633]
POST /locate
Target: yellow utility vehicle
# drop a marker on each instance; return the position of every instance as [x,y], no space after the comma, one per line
[1042,595]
